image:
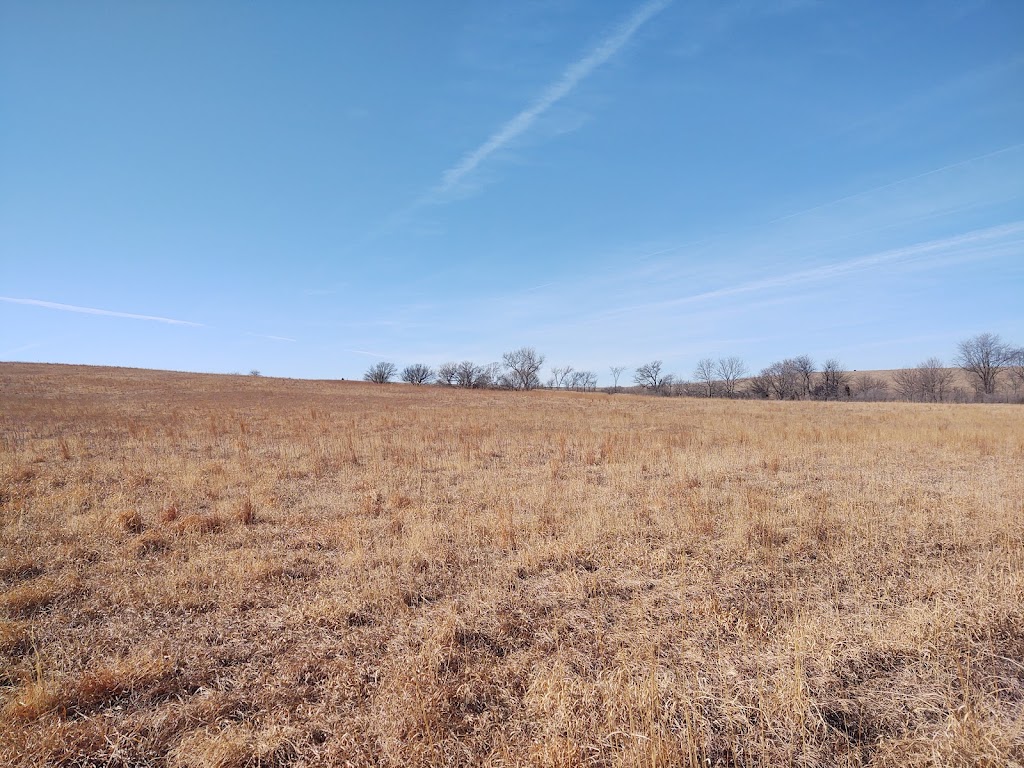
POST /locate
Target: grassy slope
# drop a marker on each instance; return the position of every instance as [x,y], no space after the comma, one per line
[228,571]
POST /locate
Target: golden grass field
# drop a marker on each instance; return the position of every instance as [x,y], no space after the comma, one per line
[229,571]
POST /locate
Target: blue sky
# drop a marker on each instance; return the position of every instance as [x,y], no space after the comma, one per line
[307,188]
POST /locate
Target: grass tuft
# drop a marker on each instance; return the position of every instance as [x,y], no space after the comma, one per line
[31,597]
[198,524]
[245,511]
[130,521]
[14,568]
[31,702]
[235,746]
[169,513]
[15,638]
[152,543]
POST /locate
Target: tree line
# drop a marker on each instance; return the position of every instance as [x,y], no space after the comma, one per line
[994,368]
[519,369]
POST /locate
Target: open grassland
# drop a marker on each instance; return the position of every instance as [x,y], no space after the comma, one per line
[230,571]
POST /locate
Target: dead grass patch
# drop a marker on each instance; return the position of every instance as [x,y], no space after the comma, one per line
[34,596]
[15,638]
[31,701]
[235,746]
[169,513]
[130,521]
[14,568]
[332,573]
[152,543]
[766,535]
[115,679]
[196,525]
[245,511]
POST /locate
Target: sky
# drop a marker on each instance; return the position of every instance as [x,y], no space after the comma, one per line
[308,188]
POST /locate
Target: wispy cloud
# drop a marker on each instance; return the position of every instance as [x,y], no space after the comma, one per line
[364,352]
[574,74]
[94,311]
[975,243]
[978,193]
[897,182]
[269,336]
[940,96]
[10,353]
[537,287]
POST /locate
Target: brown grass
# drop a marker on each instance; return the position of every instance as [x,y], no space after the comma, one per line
[130,520]
[15,568]
[245,511]
[32,596]
[198,524]
[15,640]
[235,571]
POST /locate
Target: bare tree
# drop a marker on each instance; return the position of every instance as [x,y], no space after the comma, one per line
[523,367]
[835,381]
[559,376]
[583,381]
[729,371]
[616,371]
[930,382]
[491,376]
[676,387]
[868,387]
[418,373]
[448,374]
[1017,369]
[907,383]
[760,385]
[469,375]
[380,373]
[785,379]
[804,367]
[934,380]
[984,356]
[705,374]
[649,376]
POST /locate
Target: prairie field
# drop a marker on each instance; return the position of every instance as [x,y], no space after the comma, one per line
[225,571]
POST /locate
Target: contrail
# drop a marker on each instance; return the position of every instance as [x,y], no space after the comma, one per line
[364,352]
[574,74]
[825,272]
[829,204]
[94,311]
[270,336]
[10,353]
[852,265]
[896,183]
[130,316]
[578,71]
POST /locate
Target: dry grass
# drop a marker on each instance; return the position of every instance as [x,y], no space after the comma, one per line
[235,571]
